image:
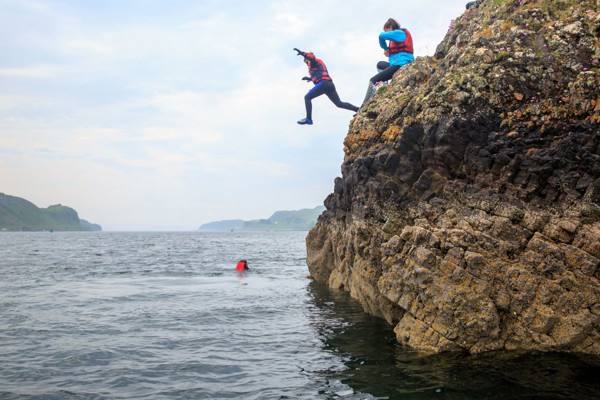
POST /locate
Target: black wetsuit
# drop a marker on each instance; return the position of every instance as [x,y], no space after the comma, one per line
[327,88]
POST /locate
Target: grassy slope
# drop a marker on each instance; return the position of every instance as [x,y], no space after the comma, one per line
[17,214]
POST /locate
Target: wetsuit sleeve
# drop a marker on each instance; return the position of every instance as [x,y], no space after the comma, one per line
[397,36]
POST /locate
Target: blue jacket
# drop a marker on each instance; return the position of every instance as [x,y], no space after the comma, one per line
[397,36]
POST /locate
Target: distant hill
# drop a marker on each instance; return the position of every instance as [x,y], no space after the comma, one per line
[299,220]
[223,226]
[17,214]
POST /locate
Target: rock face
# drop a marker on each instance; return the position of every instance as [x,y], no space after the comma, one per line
[468,211]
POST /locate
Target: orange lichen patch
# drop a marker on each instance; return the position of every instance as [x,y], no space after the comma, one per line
[367,134]
[518,96]
[506,25]
[391,133]
[355,140]
[486,33]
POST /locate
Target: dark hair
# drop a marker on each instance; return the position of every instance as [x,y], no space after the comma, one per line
[391,23]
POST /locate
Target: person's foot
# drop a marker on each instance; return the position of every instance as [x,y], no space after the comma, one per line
[305,121]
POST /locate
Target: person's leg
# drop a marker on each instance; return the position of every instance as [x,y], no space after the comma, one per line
[383,76]
[316,91]
[370,91]
[386,74]
[335,98]
[381,65]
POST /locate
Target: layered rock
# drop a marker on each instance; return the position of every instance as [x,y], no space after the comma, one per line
[468,211]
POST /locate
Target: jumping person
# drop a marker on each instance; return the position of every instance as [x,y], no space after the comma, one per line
[399,53]
[323,85]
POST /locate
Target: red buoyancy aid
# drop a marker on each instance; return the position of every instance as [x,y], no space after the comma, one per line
[242,265]
[402,47]
[317,69]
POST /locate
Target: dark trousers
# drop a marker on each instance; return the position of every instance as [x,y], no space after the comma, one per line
[327,88]
[386,73]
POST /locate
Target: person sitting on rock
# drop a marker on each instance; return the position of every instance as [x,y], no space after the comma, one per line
[399,53]
[323,85]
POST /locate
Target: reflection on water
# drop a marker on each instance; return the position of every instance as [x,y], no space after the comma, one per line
[376,364]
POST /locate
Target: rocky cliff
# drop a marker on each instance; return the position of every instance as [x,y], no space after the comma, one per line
[468,211]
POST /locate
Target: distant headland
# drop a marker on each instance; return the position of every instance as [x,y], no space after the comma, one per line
[17,214]
[298,220]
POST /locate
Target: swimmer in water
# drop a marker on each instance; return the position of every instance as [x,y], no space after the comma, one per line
[242,265]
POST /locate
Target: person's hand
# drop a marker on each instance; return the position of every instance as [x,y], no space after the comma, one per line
[300,52]
[306,78]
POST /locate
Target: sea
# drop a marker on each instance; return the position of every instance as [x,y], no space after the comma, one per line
[164,315]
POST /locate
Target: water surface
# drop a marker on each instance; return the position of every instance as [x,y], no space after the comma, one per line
[164,316]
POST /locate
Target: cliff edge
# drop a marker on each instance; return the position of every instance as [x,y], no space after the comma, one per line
[468,211]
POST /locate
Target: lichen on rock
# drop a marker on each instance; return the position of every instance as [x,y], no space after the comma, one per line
[468,211]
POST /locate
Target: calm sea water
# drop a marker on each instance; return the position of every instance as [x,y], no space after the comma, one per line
[164,316]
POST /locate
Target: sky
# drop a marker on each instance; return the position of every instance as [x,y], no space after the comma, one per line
[156,115]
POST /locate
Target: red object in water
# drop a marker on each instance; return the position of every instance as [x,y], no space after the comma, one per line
[242,265]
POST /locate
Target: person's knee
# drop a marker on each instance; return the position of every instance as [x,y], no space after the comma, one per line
[381,65]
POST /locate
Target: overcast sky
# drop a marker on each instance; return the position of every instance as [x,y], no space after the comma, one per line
[167,114]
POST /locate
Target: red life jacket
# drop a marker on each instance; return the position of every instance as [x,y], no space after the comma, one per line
[317,69]
[402,47]
[242,265]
